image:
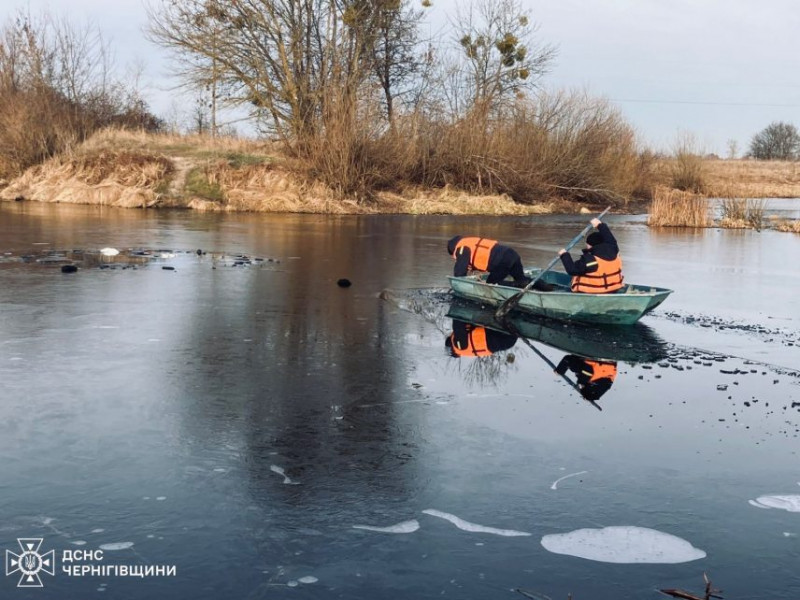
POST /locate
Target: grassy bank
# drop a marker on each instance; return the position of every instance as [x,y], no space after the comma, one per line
[135,169]
[145,170]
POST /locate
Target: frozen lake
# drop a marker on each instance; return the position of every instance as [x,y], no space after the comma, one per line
[272,435]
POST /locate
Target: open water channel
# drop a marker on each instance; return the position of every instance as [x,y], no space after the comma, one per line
[259,432]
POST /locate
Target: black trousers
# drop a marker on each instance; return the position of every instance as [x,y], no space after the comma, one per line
[509,263]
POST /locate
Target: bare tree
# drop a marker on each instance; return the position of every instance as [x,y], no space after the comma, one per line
[777,141]
[293,61]
[497,39]
[396,58]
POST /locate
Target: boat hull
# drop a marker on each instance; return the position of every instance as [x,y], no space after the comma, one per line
[619,308]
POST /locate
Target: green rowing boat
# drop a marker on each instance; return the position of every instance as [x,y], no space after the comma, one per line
[623,307]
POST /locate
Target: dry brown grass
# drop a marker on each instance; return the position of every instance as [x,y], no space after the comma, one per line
[106,176]
[788,226]
[194,145]
[752,178]
[675,208]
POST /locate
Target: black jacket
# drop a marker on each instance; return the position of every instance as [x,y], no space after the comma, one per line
[497,256]
[607,249]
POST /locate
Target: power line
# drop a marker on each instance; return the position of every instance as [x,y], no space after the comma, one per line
[704,103]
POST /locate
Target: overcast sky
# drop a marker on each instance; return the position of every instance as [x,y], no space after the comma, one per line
[718,69]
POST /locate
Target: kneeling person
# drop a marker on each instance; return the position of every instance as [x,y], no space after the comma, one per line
[483,254]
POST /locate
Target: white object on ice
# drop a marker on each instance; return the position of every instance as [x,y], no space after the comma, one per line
[624,545]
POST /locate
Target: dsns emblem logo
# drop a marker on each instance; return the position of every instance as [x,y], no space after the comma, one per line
[29,563]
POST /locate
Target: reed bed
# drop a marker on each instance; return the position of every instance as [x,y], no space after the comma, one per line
[742,213]
[676,208]
[788,226]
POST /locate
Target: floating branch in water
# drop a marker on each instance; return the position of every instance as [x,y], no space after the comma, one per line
[710,592]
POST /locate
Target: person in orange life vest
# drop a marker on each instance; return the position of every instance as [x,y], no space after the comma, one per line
[599,269]
[595,377]
[475,340]
[483,254]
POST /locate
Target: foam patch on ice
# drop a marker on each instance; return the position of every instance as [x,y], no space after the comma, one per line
[787,502]
[473,527]
[623,545]
[116,546]
[404,527]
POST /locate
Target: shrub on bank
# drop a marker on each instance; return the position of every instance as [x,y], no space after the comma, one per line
[562,145]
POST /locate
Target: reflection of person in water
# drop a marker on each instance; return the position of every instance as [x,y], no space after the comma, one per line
[595,377]
[475,340]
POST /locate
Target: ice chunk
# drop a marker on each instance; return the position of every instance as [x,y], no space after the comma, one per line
[308,579]
[623,544]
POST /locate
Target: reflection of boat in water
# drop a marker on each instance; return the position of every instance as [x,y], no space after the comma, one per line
[620,308]
[632,344]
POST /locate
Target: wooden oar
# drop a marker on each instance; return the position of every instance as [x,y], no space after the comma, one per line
[511,303]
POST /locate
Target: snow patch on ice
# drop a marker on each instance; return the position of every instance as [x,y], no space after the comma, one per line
[473,527]
[404,527]
[116,546]
[623,545]
[280,471]
[787,502]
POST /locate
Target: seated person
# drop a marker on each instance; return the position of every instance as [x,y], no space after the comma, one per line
[599,269]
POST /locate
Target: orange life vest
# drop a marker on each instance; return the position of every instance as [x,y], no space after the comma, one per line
[600,370]
[476,343]
[607,277]
[479,251]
